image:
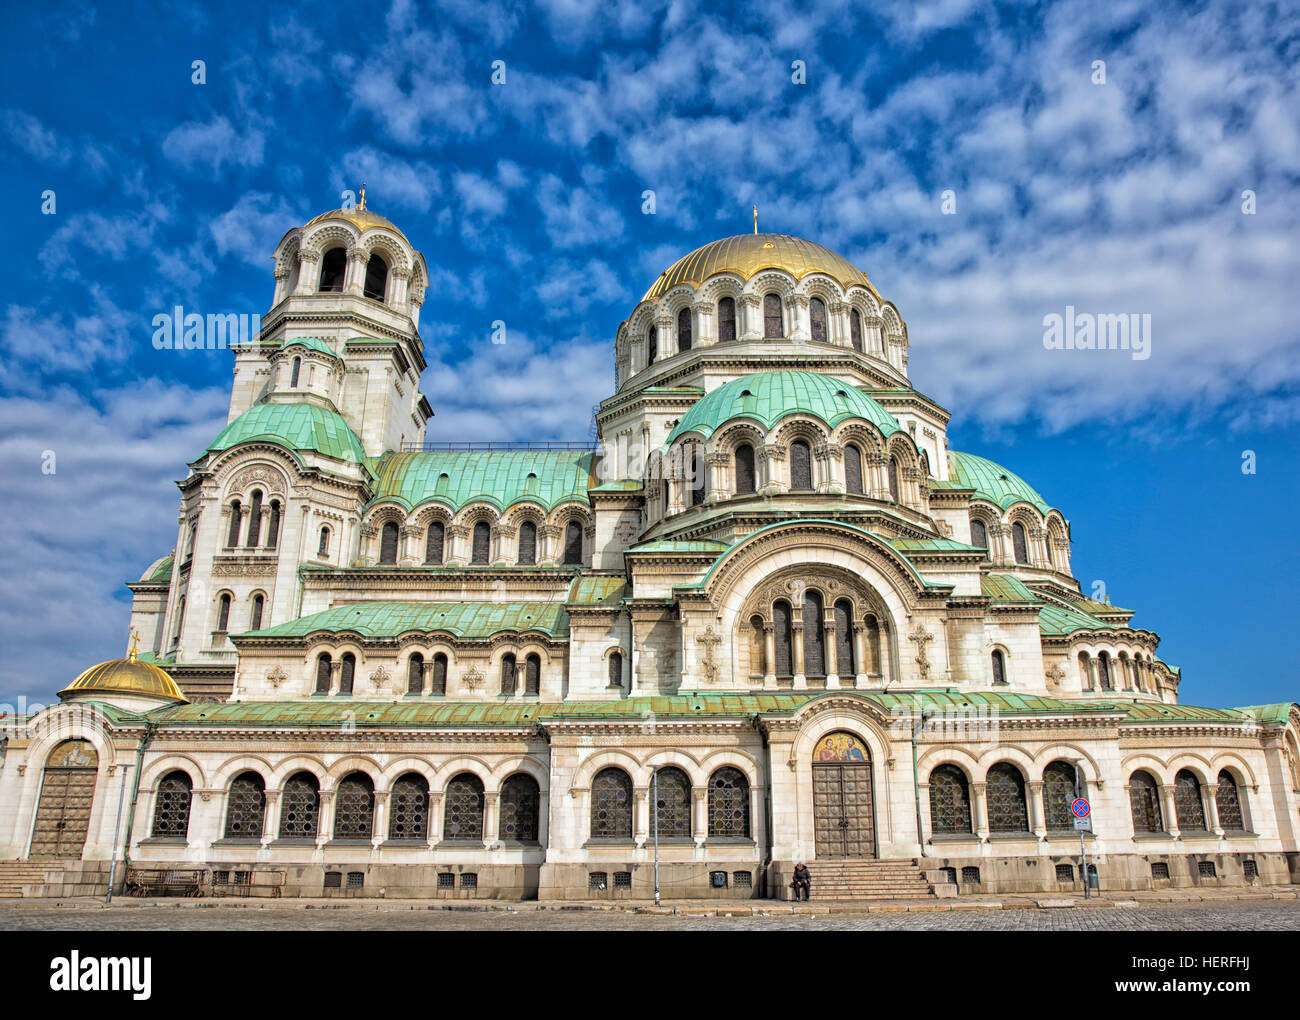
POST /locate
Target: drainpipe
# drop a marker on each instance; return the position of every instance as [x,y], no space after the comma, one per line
[917,724]
[149,729]
[767,796]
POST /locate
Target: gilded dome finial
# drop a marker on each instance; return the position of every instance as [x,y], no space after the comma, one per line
[135,645]
[361,205]
[756,219]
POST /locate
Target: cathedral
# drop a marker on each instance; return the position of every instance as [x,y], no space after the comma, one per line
[764,616]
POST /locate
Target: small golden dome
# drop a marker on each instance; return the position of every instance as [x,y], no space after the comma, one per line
[362,219]
[749,254]
[126,676]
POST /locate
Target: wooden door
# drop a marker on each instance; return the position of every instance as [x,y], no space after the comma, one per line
[67,794]
[843,811]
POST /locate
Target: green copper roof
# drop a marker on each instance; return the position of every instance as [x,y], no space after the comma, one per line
[1092,606]
[312,343]
[1005,588]
[161,572]
[767,397]
[461,619]
[330,713]
[597,591]
[932,545]
[662,545]
[300,426]
[991,481]
[1055,620]
[500,477]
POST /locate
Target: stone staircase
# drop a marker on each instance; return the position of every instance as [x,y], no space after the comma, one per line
[876,880]
[17,876]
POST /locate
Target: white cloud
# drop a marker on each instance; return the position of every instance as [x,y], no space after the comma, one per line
[391,181]
[212,144]
[251,228]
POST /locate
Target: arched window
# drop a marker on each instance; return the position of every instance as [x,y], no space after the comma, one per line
[254,519]
[388,544]
[300,807]
[744,469]
[520,809]
[1188,805]
[223,611]
[482,546]
[979,536]
[433,541]
[800,465]
[673,803]
[1144,801]
[348,672]
[1051,556]
[999,667]
[194,534]
[696,479]
[949,800]
[171,813]
[415,674]
[438,687]
[527,544]
[727,320]
[1058,795]
[293,376]
[1008,811]
[255,620]
[1018,545]
[508,671]
[324,548]
[845,660]
[333,268]
[817,319]
[873,664]
[615,669]
[652,346]
[408,807]
[323,669]
[853,470]
[773,321]
[245,807]
[376,285]
[533,675]
[273,526]
[781,638]
[728,804]
[1228,800]
[611,805]
[443,483]
[463,813]
[855,329]
[236,518]
[573,544]
[354,807]
[530,483]
[893,479]
[814,635]
[1103,672]
[684,330]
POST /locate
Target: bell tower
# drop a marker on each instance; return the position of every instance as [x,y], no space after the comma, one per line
[343,328]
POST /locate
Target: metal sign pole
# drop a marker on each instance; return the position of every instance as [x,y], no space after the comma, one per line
[117,833]
[654,808]
[1083,850]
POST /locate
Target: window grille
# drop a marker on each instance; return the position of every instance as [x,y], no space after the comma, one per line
[853,470]
[729,803]
[433,543]
[469,880]
[409,808]
[742,880]
[1249,870]
[446,880]
[356,879]
[172,813]
[1058,795]
[1187,802]
[949,800]
[1206,869]
[970,876]
[246,806]
[300,808]
[520,809]
[1065,872]
[1008,812]
[354,807]
[673,803]
[1159,870]
[800,465]
[333,880]
[597,881]
[611,805]
[727,320]
[622,880]
[1144,801]
[463,813]
[1228,799]
[773,321]
[817,319]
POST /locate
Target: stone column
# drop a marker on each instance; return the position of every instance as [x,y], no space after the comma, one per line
[325,820]
[706,332]
[355,276]
[769,654]
[719,485]
[980,810]
[379,832]
[491,818]
[435,817]
[773,459]
[1169,811]
[797,325]
[838,324]
[271,816]
[1037,809]
[667,336]
[860,648]
[641,814]
[308,273]
[1212,810]
[796,649]
[748,307]
[700,814]
[398,281]
[831,649]
[548,538]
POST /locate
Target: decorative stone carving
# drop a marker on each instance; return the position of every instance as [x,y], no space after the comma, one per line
[922,637]
[473,678]
[1055,674]
[379,678]
[276,676]
[709,640]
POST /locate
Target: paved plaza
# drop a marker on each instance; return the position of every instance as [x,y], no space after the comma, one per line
[164,915]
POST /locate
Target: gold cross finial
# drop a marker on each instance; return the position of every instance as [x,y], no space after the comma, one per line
[135,644]
[362,204]
[756,219]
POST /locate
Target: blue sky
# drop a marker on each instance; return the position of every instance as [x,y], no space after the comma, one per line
[526,199]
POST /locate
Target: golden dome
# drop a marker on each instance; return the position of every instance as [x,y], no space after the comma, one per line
[126,676]
[362,219]
[749,254]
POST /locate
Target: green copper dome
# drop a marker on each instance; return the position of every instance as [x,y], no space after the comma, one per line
[312,343]
[767,397]
[295,426]
[991,481]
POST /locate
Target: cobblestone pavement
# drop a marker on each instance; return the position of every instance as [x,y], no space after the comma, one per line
[1226,916]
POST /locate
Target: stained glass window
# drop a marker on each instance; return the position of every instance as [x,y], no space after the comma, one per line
[814,635]
[439,686]
[949,800]
[527,544]
[223,611]
[611,805]
[800,465]
[573,544]
[1103,672]
[817,319]
[729,804]
[853,470]
[726,320]
[508,671]
[533,675]
[245,806]
[979,535]
[300,807]
[855,329]
[481,548]
[1058,795]
[255,621]
[520,809]
[673,803]
[347,673]
[616,669]
[254,519]
[744,469]
[463,813]
[652,346]
[388,543]
[1144,800]
[684,330]
[171,816]
[845,666]
[893,479]
[236,515]
[1228,800]
[408,807]
[1187,802]
[354,807]
[1018,545]
[781,619]
[1008,811]
[415,674]
[433,542]
[773,324]
[999,668]
[323,665]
